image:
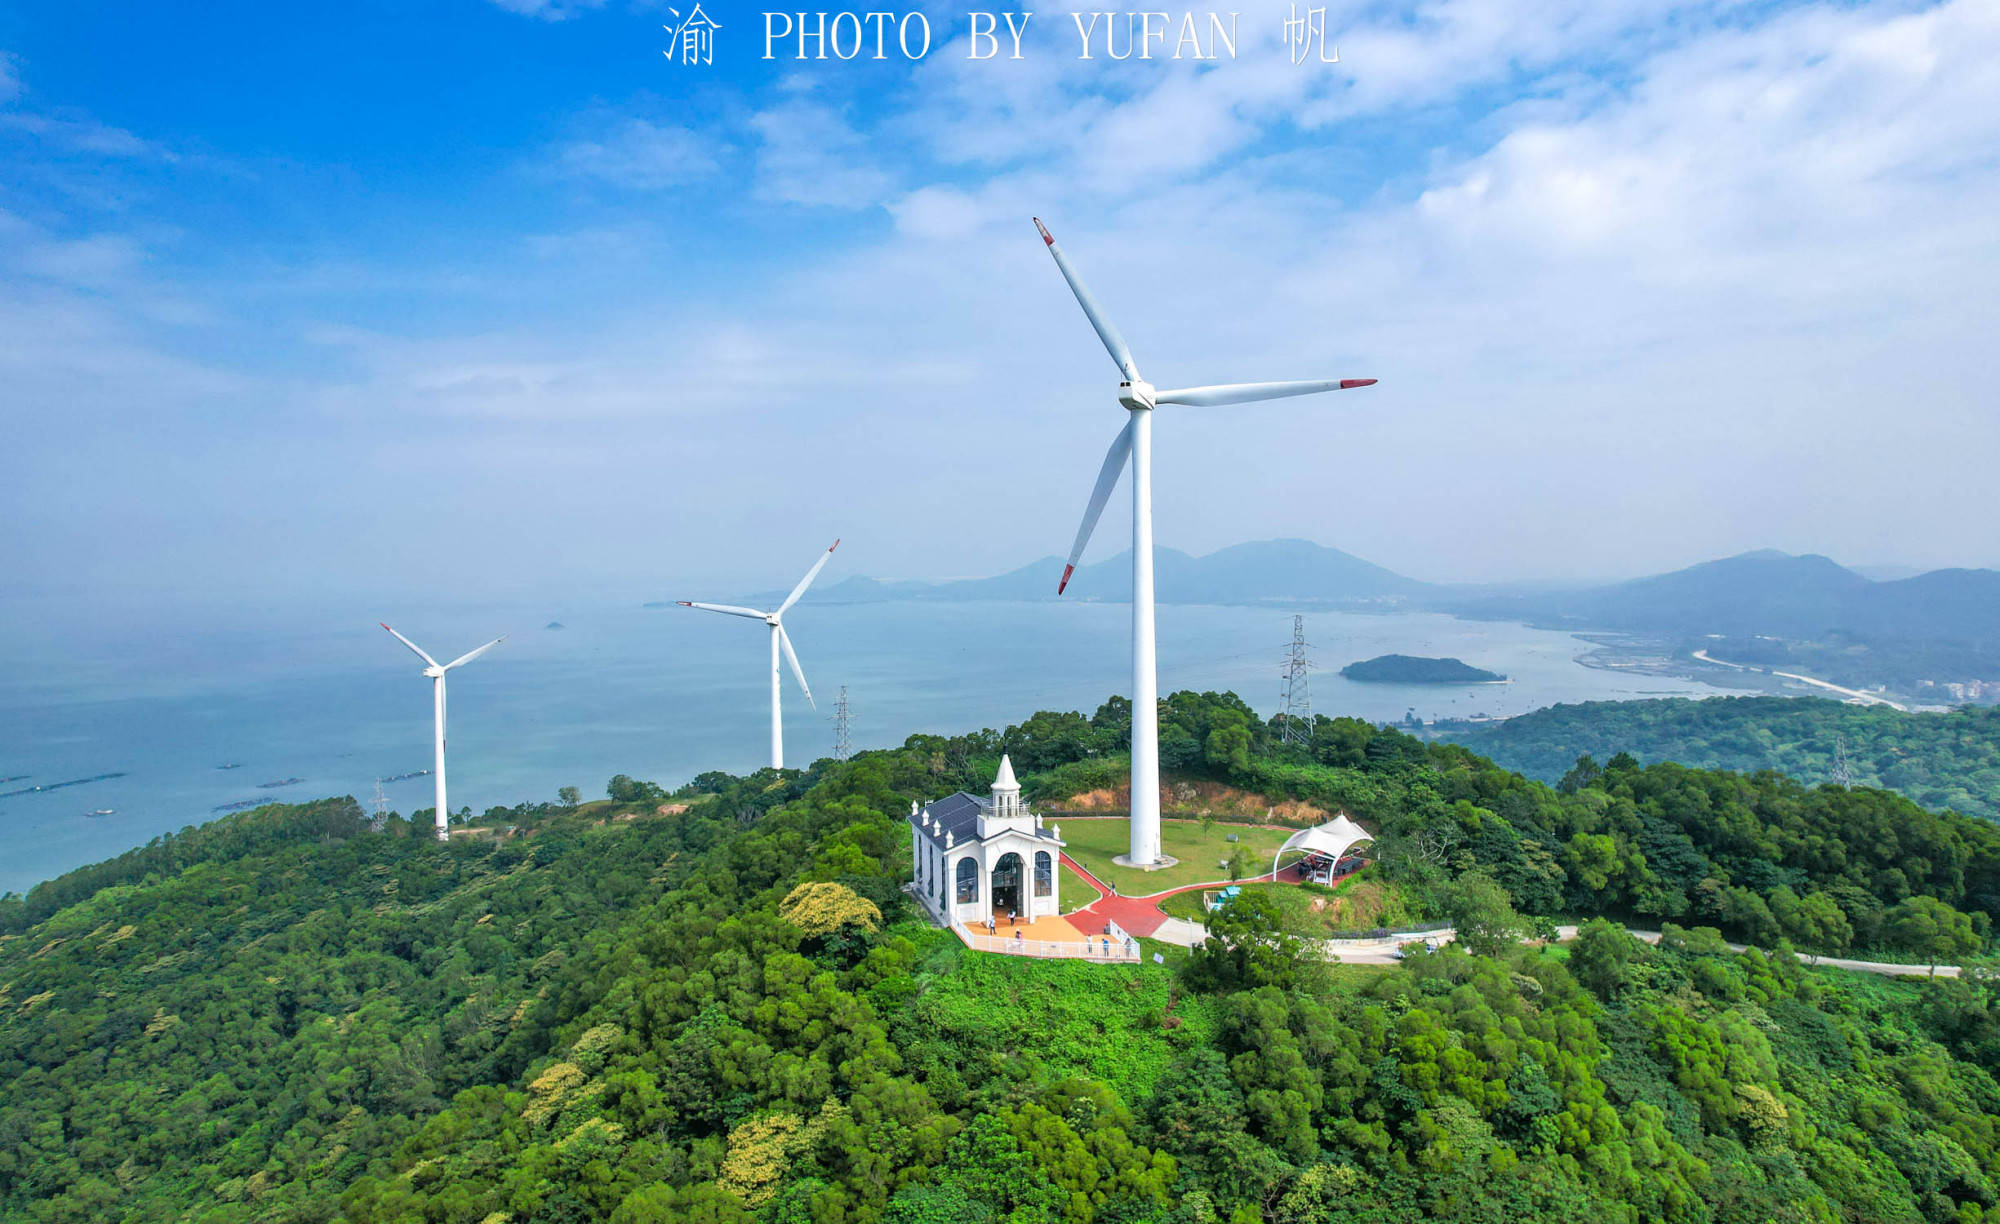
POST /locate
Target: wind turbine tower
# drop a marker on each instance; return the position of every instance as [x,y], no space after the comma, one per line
[781,643]
[1134,444]
[436,671]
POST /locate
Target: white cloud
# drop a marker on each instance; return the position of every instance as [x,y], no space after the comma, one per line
[637,154]
[10,77]
[810,154]
[1623,318]
[549,10]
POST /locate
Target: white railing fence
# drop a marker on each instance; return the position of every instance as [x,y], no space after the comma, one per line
[1125,950]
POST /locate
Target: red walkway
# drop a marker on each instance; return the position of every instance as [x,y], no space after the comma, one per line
[1141,915]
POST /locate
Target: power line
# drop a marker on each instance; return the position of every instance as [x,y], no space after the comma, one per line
[842,745]
[1298,688]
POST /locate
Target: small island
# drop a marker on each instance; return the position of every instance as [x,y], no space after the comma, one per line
[1410,669]
[555,625]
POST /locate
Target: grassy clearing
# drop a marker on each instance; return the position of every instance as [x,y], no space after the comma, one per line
[1094,843]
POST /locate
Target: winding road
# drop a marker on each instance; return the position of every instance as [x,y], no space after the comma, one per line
[1850,694]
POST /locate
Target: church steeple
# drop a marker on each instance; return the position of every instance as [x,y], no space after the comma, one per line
[1006,791]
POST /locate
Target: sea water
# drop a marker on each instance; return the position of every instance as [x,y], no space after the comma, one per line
[657,693]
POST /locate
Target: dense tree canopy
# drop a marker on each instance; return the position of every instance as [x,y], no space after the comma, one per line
[1939,760]
[723,1008]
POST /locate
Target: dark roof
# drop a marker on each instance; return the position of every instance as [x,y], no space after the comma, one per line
[958,815]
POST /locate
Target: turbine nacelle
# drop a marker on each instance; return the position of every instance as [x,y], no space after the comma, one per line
[434,672]
[1137,393]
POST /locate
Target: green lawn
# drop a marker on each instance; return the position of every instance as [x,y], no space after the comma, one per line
[1095,842]
[1074,890]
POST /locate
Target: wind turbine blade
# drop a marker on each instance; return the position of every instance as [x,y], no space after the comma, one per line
[470,655]
[798,673]
[731,609]
[1113,342]
[412,645]
[1250,393]
[1107,480]
[807,580]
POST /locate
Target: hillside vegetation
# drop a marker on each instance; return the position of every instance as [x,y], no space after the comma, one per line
[293,1016]
[1939,760]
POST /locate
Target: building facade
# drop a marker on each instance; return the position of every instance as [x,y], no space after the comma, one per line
[985,858]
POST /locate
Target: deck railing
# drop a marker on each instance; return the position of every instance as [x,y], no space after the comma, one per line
[1126,951]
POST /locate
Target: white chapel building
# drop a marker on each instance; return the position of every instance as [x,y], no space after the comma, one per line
[978,858]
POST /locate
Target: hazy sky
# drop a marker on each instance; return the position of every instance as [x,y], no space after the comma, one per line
[477,297]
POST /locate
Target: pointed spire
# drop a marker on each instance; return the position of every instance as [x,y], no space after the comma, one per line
[1006,779]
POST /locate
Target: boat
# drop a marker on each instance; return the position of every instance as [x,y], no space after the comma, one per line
[280,782]
[103,811]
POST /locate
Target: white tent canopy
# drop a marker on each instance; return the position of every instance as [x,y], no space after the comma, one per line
[1333,839]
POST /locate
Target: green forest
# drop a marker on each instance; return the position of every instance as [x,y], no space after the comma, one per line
[1940,760]
[718,1005]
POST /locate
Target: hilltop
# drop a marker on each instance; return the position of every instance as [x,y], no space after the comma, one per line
[622,1011]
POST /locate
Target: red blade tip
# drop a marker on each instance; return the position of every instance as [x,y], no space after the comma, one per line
[1348,384]
[684,603]
[1067,571]
[1047,238]
[834,545]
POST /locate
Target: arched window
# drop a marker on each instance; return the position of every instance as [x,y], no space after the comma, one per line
[1045,874]
[968,881]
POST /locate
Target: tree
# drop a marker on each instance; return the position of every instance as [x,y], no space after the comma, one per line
[569,797]
[1813,921]
[1600,954]
[1580,775]
[823,908]
[1247,947]
[1931,929]
[1483,914]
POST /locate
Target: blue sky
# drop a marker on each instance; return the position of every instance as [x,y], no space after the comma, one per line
[494,298]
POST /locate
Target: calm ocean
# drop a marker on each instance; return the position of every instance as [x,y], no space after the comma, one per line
[661,694]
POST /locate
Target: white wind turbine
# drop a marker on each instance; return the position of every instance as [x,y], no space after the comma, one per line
[436,671]
[780,641]
[1135,442]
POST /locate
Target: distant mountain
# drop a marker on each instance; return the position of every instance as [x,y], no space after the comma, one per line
[1264,571]
[1886,573]
[1772,593]
[1768,608]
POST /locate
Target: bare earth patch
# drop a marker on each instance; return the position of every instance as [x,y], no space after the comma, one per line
[1195,799]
